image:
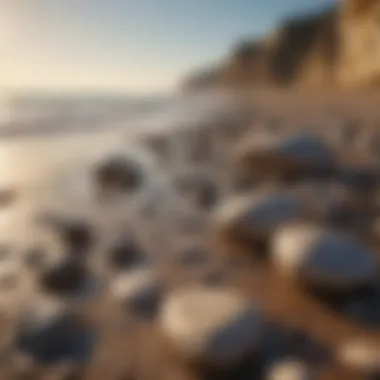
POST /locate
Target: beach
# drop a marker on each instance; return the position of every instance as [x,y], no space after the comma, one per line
[191,160]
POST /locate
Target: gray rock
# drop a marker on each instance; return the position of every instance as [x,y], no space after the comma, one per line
[76,234]
[322,257]
[301,154]
[125,253]
[215,325]
[257,215]
[50,332]
[140,291]
[119,174]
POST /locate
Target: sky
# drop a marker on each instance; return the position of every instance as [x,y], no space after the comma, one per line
[133,46]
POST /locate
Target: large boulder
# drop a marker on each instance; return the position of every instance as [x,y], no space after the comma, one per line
[217,326]
[323,258]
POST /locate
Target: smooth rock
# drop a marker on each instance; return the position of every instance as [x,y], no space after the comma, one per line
[125,253]
[289,370]
[322,257]
[50,332]
[119,174]
[76,234]
[257,215]
[63,275]
[301,153]
[214,325]
[140,291]
[360,355]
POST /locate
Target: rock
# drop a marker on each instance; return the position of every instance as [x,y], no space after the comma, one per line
[50,332]
[323,258]
[76,234]
[125,253]
[293,157]
[360,178]
[119,174]
[64,275]
[255,216]
[289,370]
[361,356]
[140,291]
[198,188]
[364,307]
[214,325]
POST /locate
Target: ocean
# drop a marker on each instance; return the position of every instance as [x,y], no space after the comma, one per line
[48,143]
[36,114]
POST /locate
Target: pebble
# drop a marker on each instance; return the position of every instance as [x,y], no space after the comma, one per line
[76,234]
[215,325]
[322,257]
[125,253]
[50,332]
[289,370]
[119,174]
[360,355]
[140,291]
[64,276]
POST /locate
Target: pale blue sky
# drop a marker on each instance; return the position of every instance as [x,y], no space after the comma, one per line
[125,45]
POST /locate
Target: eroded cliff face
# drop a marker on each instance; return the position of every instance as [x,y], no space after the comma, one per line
[360,38]
[334,48]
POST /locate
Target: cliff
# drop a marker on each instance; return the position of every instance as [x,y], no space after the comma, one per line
[336,47]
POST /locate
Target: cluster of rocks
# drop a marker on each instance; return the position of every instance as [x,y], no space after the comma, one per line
[280,279]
